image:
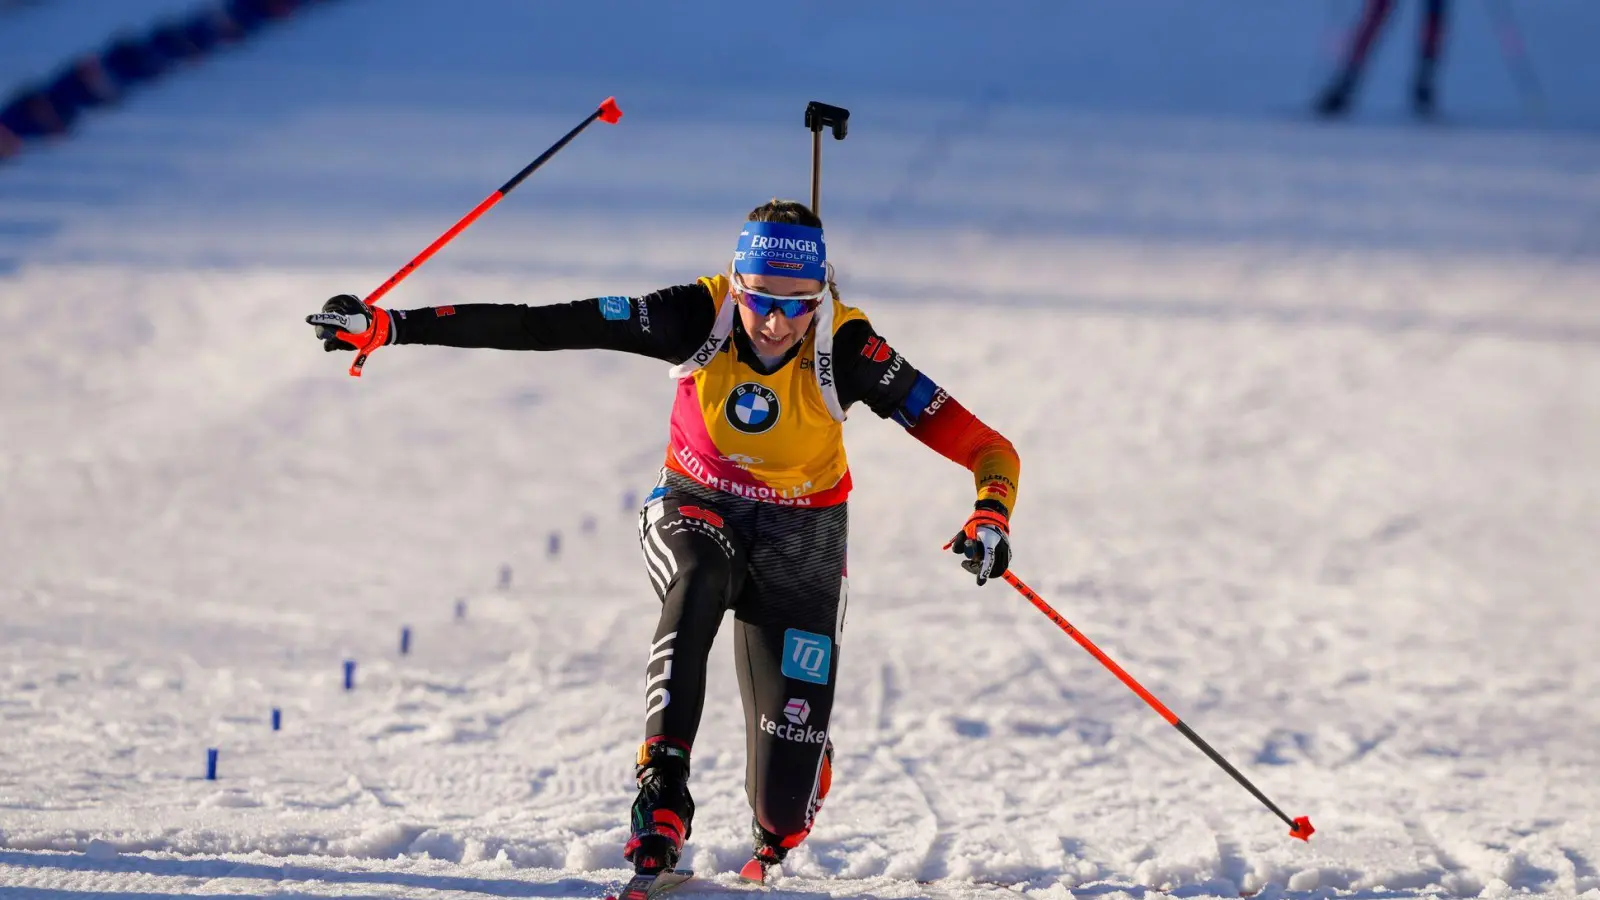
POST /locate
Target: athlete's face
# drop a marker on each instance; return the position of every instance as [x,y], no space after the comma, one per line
[774,333]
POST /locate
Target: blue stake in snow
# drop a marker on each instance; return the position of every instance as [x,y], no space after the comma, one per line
[349,674]
[211,764]
[630,501]
[553,546]
[505,576]
[588,524]
[405,640]
[461,609]
[277,719]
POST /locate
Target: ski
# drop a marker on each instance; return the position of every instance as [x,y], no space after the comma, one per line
[654,884]
[754,871]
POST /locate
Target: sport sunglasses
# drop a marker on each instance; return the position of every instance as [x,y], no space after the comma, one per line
[762,304]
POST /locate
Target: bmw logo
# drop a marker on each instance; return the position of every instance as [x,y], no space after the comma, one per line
[752,408]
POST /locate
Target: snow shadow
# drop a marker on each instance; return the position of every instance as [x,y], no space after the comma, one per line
[1205,890]
[92,894]
[278,874]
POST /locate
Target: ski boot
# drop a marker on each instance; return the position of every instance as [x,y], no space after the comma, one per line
[770,849]
[663,810]
[1334,101]
[1422,98]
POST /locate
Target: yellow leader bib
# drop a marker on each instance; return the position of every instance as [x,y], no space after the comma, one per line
[775,438]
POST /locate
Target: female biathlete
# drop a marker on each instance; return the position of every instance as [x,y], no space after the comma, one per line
[749,512]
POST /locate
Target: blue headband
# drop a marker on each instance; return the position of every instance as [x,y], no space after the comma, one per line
[778,248]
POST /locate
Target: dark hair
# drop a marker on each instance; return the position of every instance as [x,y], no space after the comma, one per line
[790,212]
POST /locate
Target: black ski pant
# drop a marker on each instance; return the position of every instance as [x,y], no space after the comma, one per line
[1373,15]
[781,570]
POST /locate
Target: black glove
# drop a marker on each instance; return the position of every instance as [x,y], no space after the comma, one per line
[984,543]
[346,323]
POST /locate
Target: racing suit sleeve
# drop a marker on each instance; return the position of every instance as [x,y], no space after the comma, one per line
[876,374]
[668,324]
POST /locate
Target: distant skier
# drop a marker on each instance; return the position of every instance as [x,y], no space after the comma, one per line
[749,512]
[1335,98]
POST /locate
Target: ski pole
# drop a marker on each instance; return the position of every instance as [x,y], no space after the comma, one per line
[607,112]
[1516,54]
[1300,828]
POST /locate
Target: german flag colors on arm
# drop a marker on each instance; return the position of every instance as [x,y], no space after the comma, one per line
[959,436]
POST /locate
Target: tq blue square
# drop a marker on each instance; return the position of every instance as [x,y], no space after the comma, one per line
[807,656]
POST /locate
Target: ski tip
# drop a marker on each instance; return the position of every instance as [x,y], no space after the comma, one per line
[1302,829]
[610,112]
[754,872]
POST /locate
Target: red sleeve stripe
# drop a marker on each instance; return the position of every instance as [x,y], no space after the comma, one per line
[962,438]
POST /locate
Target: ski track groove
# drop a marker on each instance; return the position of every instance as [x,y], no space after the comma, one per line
[1446,867]
[934,863]
[1231,863]
[888,693]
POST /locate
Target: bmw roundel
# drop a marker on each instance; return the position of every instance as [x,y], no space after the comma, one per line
[752,408]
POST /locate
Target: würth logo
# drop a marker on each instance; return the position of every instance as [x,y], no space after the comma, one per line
[877,350]
[705,515]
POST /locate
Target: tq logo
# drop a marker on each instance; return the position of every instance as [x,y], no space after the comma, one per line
[807,656]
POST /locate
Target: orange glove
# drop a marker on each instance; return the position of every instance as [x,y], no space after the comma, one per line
[984,541]
[346,323]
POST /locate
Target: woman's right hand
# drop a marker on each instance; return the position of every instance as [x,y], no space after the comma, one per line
[346,323]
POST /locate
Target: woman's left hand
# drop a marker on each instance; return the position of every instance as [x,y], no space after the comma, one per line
[985,544]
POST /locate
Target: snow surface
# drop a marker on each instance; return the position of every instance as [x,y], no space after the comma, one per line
[1309,416]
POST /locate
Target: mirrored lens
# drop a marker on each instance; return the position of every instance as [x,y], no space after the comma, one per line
[764,304]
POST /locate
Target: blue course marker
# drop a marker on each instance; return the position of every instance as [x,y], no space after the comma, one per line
[277,719]
[349,674]
[211,764]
